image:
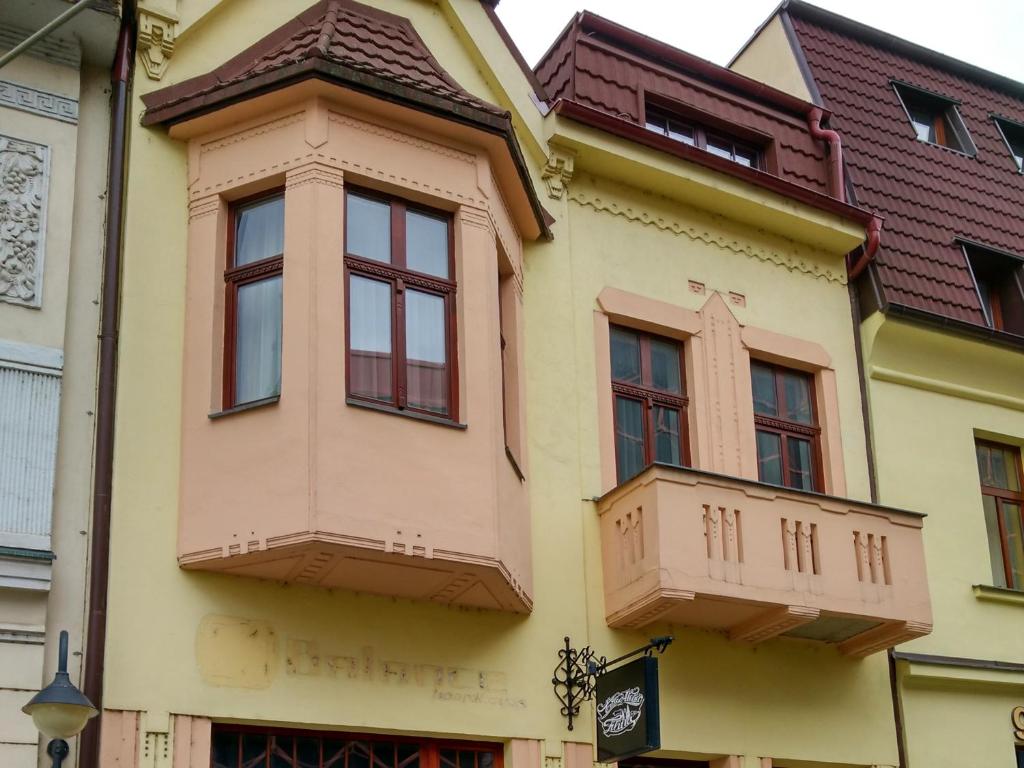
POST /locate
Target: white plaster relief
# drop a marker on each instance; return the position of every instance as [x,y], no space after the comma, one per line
[24,179]
[37,102]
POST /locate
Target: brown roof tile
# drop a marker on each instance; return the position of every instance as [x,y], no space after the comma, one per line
[928,195]
[603,66]
[339,33]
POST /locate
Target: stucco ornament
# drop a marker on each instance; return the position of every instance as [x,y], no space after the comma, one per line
[157,32]
[23,182]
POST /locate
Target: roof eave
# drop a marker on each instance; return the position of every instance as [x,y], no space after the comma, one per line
[629,130]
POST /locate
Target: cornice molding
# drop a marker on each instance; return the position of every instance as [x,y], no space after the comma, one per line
[640,216]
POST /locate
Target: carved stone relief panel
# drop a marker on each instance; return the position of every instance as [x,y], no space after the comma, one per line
[24,179]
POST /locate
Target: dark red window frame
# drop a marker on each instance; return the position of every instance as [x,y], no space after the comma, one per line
[429,750]
[236,277]
[701,134]
[1001,495]
[651,397]
[787,429]
[399,276]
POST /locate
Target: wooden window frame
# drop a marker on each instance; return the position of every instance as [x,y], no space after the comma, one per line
[787,429]
[235,278]
[701,134]
[650,397]
[994,272]
[397,274]
[1001,495]
[429,749]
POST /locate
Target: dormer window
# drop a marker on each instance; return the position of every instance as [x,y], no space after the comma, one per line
[696,135]
[935,118]
[1013,135]
[999,279]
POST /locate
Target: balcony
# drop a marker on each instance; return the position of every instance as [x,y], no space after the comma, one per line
[756,561]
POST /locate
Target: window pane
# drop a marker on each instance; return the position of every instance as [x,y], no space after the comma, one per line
[308,752]
[225,750]
[1014,542]
[665,366]
[720,147]
[629,437]
[769,457]
[426,243]
[383,754]
[746,157]
[259,231]
[797,391]
[369,316]
[995,545]
[258,340]
[368,225]
[680,132]
[999,467]
[763,382]
[666,435]
[625,356]
[281,752]
[655,122]
[408,755]
[358,754]
[923,117]
[254,749]
[425,345]
[800,467]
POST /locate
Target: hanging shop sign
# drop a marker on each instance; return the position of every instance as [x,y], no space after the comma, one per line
[626,706]
[625,696]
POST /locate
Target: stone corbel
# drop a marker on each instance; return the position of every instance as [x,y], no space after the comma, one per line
[557,172]
[157,32]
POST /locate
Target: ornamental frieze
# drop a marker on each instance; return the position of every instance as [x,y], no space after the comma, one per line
[24,172]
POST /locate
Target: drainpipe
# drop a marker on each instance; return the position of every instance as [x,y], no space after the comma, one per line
[835,150]
[99,557]
[870,249]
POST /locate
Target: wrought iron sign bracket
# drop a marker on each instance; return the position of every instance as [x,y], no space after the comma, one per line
[577,672]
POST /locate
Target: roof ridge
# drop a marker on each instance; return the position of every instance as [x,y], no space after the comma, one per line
[328,28]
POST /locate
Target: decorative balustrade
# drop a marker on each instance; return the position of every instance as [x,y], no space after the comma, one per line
[758,561]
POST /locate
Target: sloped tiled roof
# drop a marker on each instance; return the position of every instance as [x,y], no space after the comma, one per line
[368,46]
[929,195]
[600,72]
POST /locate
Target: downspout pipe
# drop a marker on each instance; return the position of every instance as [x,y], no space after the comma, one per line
[814,117]
[99,556]
[870,249]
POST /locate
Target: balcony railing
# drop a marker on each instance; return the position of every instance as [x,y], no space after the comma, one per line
[758,561]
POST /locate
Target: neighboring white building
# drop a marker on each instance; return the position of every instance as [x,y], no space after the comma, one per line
[54,133]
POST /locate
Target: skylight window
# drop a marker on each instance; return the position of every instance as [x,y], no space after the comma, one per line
[678,129]
[1013,135]
[999,278]
[935,119]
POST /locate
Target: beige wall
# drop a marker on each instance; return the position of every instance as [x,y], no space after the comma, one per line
[66,322]
[769,58]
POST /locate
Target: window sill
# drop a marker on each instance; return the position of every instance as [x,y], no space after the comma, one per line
[998,594]
[438,420]
[245,407]
[971,155]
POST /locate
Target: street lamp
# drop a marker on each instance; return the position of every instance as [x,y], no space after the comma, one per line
[60,711]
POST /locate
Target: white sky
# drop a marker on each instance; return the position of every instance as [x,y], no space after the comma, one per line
[987,33]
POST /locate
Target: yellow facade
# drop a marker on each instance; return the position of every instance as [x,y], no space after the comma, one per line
[240,650]
[932,393]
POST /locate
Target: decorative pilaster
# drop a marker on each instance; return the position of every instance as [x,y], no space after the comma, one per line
[157,33]
[558,172]
[24,179]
